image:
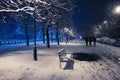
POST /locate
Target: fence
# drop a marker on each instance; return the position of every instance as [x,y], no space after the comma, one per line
[4,42]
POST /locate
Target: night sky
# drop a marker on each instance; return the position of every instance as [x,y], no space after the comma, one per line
[90,12]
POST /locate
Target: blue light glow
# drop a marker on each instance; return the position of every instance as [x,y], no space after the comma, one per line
[80,37]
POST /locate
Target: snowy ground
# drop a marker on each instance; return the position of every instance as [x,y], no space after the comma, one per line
[16,63]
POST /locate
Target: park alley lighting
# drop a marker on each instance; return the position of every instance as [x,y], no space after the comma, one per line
[105,22]
[66,29]
[117,10]
[35,46]
[119,58]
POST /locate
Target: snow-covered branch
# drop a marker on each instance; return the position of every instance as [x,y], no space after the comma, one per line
[44,9]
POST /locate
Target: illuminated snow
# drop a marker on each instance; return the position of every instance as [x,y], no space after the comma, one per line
[17,63]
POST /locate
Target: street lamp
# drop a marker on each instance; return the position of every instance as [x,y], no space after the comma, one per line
[105,22]
[117,10]
[35,48]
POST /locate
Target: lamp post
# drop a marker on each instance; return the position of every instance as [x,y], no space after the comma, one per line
[35,48]
[66,30]
[105,28]
[117,12]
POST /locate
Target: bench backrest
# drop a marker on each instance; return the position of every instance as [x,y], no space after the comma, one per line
[62,53]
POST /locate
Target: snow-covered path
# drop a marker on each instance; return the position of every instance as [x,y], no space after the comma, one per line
[16,63]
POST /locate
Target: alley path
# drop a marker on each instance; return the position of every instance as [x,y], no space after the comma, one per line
[16,63]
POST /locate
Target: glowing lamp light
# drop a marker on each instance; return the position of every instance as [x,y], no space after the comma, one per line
[80,37]
[66,29]
[119,59]
[117,10]
[105,22]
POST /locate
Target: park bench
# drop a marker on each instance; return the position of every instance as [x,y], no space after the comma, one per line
[63,56]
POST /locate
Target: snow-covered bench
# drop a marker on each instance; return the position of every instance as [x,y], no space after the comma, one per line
[63,56]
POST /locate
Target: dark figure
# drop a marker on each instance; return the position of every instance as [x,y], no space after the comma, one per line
[86,41]
[90,41]
[66,41]
[94,41]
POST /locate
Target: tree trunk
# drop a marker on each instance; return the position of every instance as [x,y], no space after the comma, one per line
[47,37]
[43,35]
[57,36]
[52,37]
[62,37]
[67,38]
[27,36]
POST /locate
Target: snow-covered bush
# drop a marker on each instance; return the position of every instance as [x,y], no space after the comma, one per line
[117,43]
[110,41]
[102,39]
[106,40]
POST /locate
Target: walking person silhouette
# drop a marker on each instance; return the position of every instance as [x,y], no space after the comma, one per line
[90,41]
[86,41]
[94,41]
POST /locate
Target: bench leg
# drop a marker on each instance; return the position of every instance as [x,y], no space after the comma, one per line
[60,65]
